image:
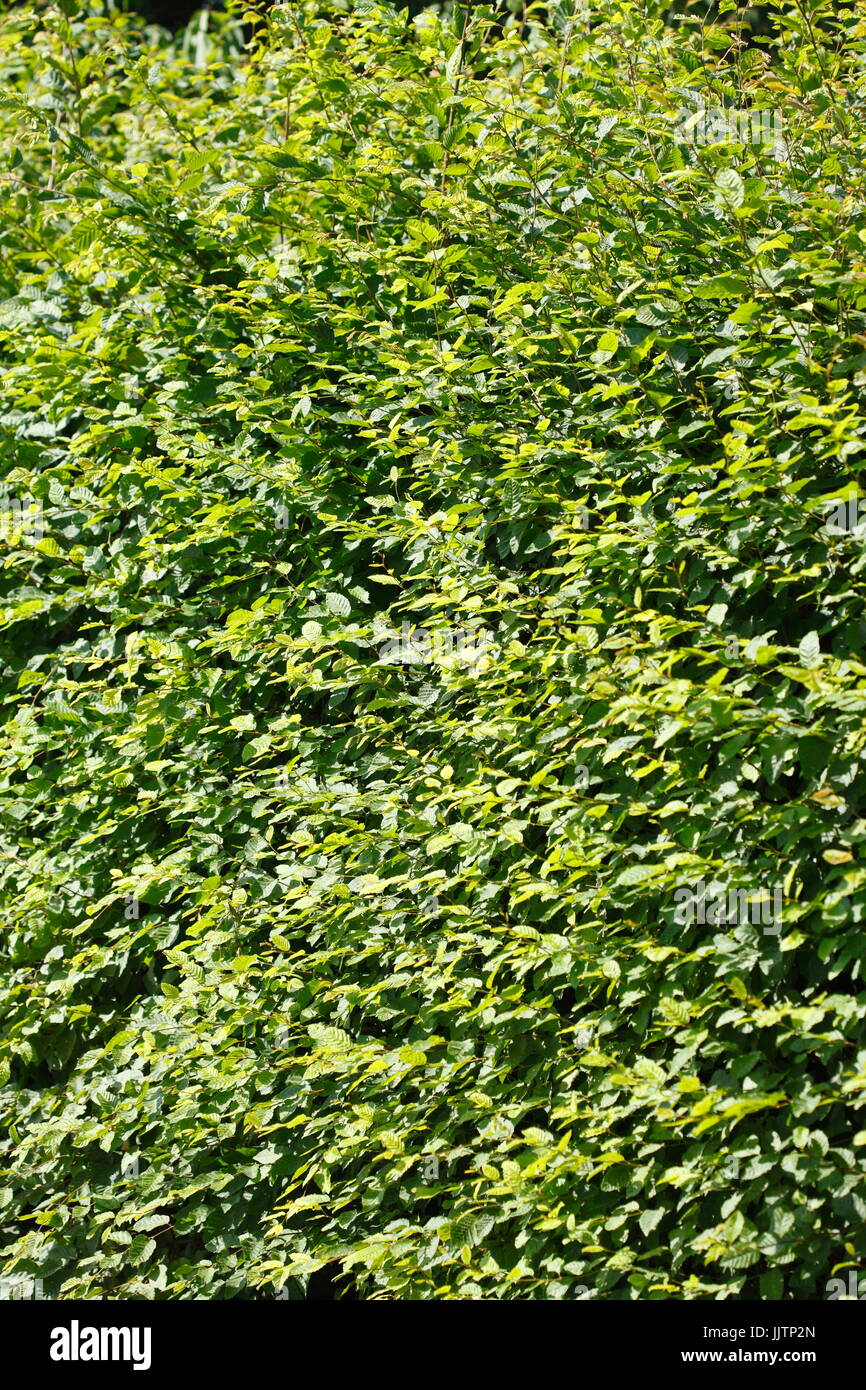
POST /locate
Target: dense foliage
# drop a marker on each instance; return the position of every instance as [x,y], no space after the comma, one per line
[431,549]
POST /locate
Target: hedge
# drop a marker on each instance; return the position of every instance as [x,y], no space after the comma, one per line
[432,654]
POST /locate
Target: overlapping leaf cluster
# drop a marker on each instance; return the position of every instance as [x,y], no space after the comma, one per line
[322,963]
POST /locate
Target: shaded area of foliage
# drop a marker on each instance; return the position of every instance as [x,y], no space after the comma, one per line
[175,14]
[339,959]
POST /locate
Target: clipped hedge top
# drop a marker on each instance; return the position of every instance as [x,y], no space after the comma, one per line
[418,579]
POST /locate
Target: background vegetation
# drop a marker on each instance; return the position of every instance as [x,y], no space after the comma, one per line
[326,971]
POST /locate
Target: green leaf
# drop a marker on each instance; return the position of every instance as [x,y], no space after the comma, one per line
[810,650]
